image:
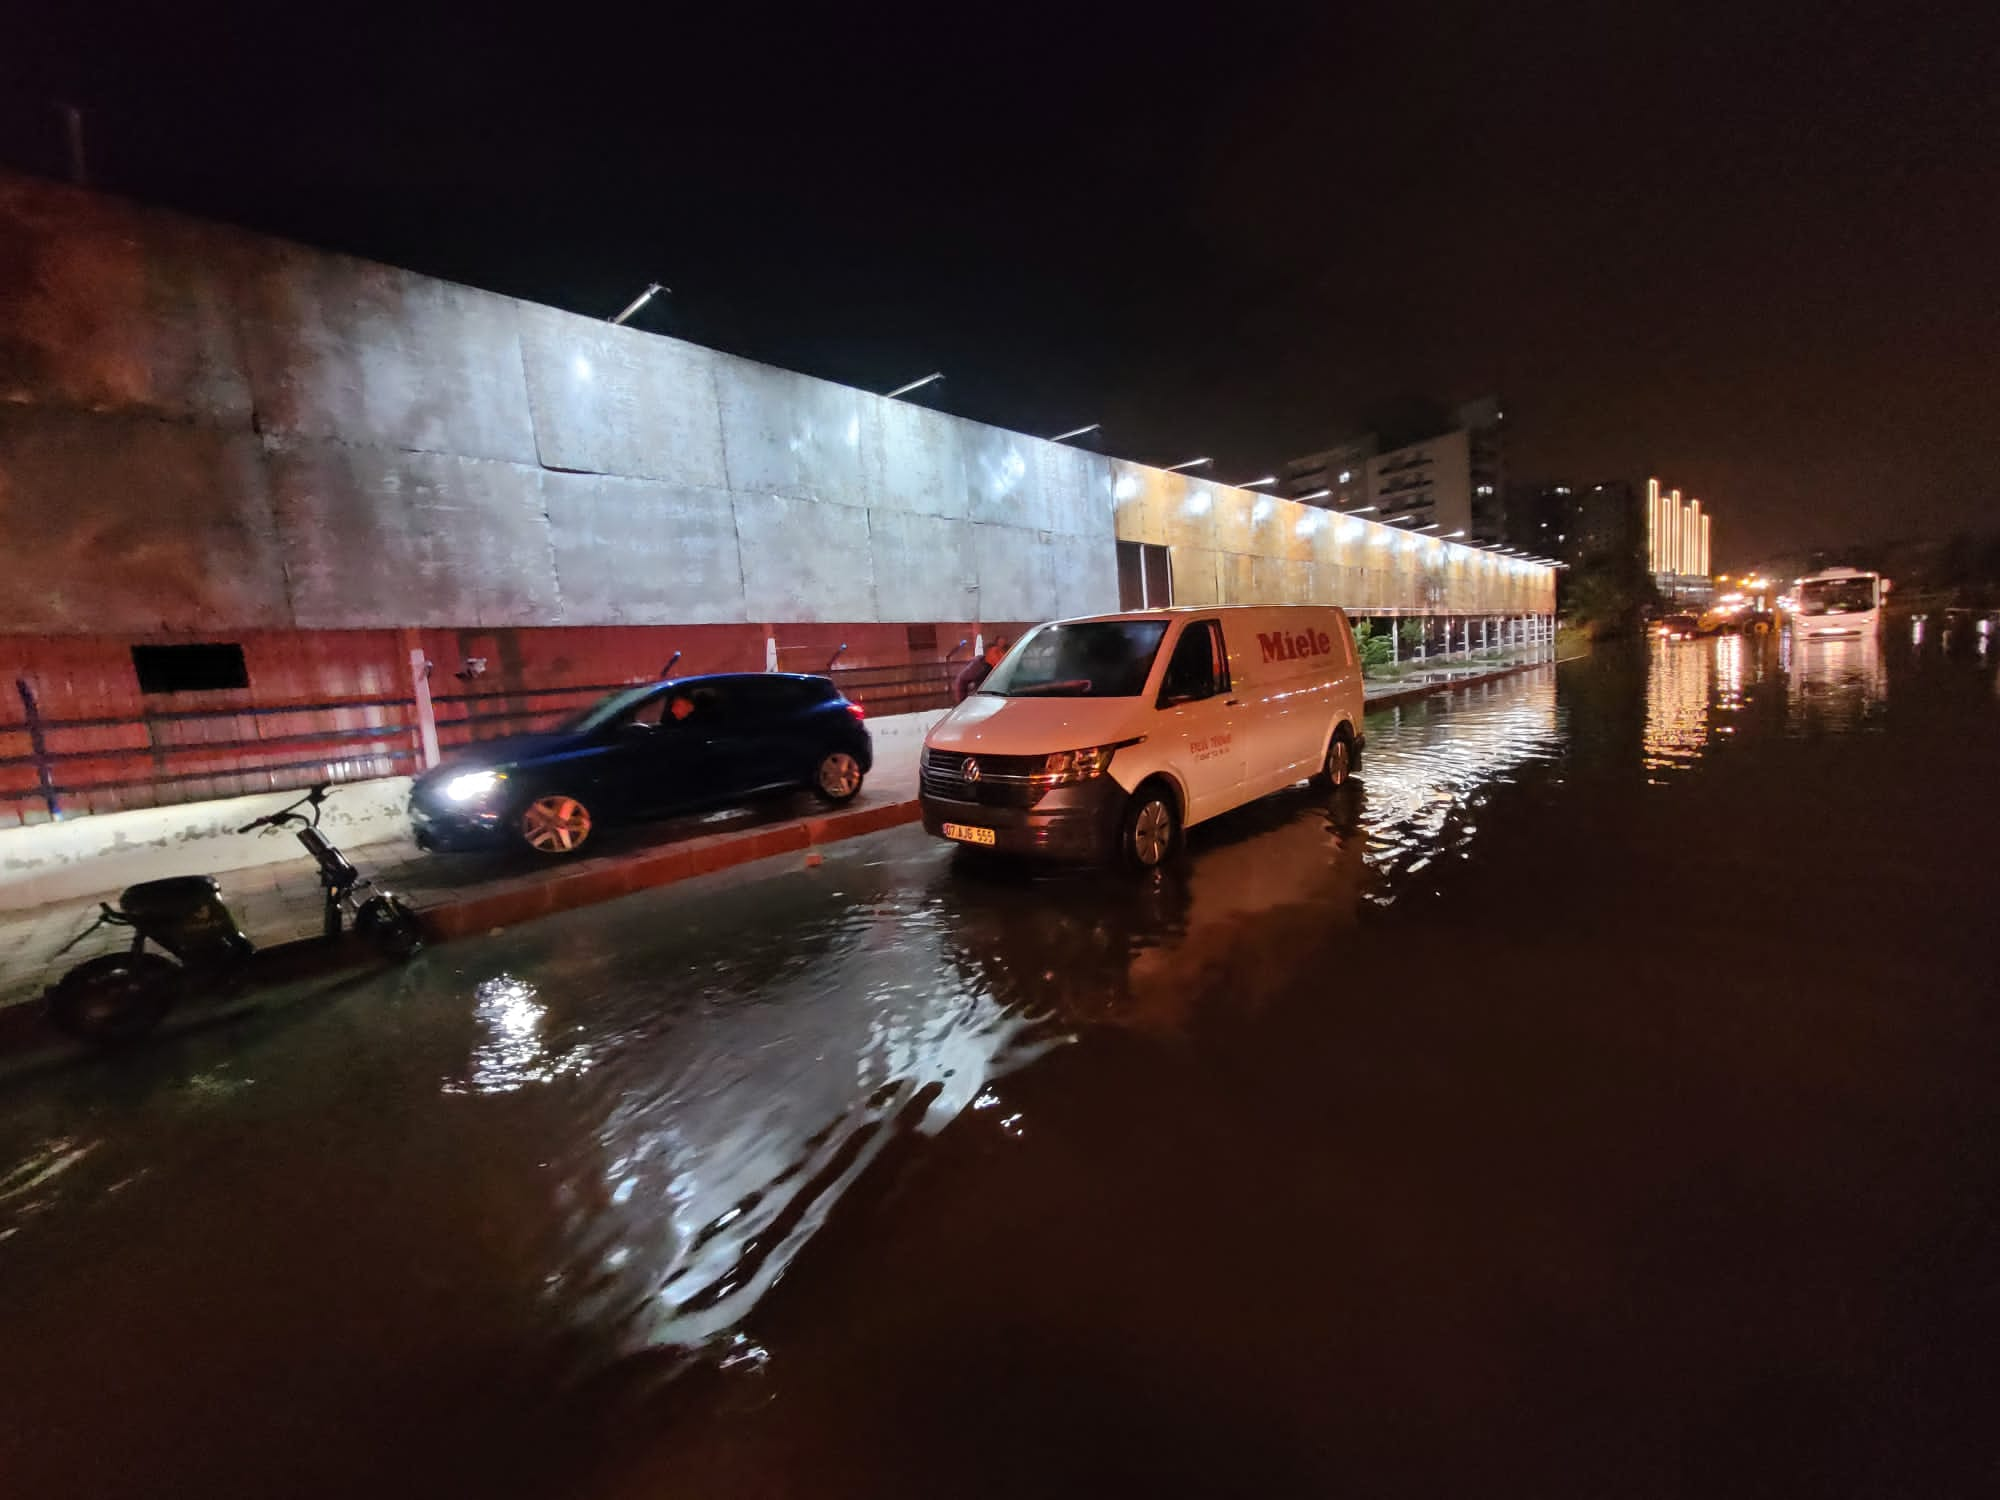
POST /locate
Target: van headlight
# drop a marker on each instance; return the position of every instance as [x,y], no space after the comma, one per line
[1081,765]
[473,786]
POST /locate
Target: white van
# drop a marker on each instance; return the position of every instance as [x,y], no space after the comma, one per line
[1110,735]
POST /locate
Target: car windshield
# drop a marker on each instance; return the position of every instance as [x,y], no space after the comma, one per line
[606,709]
[1836,596]
[1097,658]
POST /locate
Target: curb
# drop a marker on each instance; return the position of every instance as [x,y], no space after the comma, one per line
[524,897]
[1426,689]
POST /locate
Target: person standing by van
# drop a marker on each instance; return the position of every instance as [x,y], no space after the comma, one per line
[974,672]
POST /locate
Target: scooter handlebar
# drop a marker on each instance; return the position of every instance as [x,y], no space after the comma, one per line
[284,814]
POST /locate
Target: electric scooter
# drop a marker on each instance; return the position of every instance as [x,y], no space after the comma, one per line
[118,998]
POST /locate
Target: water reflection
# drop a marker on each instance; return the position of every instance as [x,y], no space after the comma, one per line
[749,1091]
[1431,764]
[1680,683]
[30,1185]
[516,1050]
[1838,685]
[1699,694]
[744,1091]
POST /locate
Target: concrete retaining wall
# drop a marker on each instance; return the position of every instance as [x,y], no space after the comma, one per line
[203,430]
[92,859]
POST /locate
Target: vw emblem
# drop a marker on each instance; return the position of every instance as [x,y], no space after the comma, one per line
[971,770]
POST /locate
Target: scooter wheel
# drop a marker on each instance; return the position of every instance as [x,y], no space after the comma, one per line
[114,1000]
[390,926]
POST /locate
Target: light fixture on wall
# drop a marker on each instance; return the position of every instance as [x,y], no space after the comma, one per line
[1251,484]
[653,289]
[1192,463]
[904,390]
[1075,432]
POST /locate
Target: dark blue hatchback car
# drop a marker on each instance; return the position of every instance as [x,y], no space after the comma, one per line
[664,747]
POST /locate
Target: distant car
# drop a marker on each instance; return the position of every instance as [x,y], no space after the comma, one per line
[663,747]
[1677,627]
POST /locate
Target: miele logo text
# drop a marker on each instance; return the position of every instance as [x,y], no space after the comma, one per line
[1281,647]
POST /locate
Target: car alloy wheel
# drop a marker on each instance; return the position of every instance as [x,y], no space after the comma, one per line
[555,825]
[838,777]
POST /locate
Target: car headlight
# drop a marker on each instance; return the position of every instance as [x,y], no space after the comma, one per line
[1080,765]
[472,786]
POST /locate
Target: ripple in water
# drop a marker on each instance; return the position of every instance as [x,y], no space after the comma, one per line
[731,1099]
[1427,769]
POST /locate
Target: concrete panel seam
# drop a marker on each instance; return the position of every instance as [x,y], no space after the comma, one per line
[736,527]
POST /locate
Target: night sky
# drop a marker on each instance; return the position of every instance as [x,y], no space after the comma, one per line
[1755,252]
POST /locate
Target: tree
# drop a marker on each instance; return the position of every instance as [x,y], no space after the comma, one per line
[1375,649]
[1608,592]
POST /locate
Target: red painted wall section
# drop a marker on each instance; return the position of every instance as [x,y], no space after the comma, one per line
[340,704]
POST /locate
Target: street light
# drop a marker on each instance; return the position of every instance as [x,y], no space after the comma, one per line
[1192,463]
[1075,432]
[652,290]
[904,390]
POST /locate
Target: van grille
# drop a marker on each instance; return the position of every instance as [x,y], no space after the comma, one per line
[1004,780]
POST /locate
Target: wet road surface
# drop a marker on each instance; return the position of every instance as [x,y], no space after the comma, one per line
[1598,1098]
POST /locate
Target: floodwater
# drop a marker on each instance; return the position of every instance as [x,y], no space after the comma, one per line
[1598,1098]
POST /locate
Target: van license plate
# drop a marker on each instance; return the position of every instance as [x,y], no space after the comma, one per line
[968,835]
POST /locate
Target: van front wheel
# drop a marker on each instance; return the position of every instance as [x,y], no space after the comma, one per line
[1151,830]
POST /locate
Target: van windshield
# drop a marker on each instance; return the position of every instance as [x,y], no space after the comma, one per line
[1095,658]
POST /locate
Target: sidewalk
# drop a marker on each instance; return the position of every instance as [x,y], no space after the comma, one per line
[468,893]
[461,894]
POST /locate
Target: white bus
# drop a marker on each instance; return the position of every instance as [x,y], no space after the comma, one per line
[1837,601]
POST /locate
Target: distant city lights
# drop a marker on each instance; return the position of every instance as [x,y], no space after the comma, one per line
[1677,534]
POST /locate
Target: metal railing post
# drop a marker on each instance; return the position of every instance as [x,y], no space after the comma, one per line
[427,727]
[38,746]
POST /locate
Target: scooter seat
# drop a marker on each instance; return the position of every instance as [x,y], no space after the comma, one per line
[174,896]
